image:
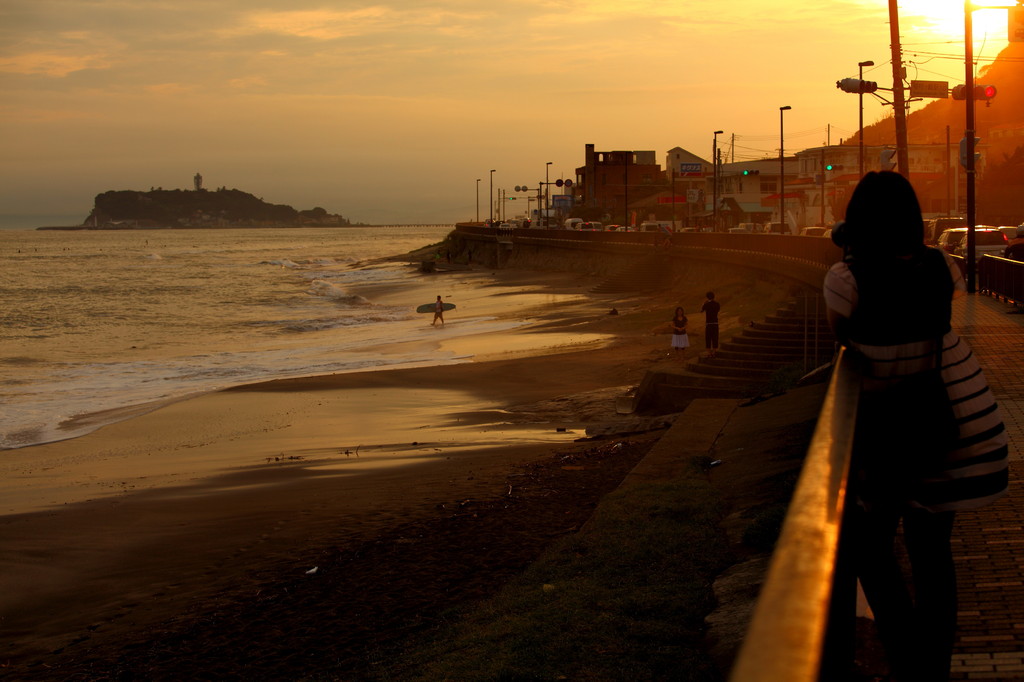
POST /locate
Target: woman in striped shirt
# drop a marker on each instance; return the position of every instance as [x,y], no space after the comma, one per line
[889,301]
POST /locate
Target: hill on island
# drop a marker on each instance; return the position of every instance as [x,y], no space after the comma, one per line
[199,208]
[999,124]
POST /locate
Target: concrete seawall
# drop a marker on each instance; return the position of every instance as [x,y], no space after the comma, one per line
[803,260]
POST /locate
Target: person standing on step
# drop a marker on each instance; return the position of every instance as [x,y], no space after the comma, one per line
[680,339]
[710,308]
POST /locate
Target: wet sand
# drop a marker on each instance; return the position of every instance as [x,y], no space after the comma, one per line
[142,529]
[143,520]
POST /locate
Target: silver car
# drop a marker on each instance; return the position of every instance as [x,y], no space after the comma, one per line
[987,241]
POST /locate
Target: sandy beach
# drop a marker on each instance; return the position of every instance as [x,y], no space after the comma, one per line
[121,540]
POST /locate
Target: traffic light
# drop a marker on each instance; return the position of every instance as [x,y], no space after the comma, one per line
[981,92]
[856,86]
[887,159]
[833,166]
[963,151]
[751,172]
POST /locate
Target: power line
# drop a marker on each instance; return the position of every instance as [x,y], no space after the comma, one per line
[795,133]
[960,57]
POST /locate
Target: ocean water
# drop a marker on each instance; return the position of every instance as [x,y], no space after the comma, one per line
[107,323]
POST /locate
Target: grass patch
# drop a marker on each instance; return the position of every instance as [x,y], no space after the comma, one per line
[786,377]
[765,528]
[623,599]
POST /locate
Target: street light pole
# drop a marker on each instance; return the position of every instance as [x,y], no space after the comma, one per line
[860,119]
[478,199]
[491,210]
[714,181]
[782,167]
[547,191]
[672,171]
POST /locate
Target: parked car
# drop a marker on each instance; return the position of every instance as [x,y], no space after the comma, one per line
[816,232]
[936,226]
[656,226]
[1009,230]
[987,241]
[1015,247]
[950,238]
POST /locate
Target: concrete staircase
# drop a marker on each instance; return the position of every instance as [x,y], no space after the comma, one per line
[746,364]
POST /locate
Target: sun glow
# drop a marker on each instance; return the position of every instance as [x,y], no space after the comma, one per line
[943,21]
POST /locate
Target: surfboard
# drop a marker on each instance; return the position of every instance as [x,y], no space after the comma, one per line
[429,307]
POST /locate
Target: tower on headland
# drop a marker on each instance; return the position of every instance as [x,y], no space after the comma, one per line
[198,180]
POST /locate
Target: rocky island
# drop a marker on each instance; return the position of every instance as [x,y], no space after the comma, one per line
[200,208]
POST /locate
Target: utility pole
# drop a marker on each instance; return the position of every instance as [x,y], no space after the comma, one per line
[969,140]
[898,102]
[949,179]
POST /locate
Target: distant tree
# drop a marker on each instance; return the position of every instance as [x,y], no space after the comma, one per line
[318,213]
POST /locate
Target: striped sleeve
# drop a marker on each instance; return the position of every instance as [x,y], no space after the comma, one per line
[959,286]
[840,290]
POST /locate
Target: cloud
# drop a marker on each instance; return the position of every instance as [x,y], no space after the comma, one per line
[53,64]
[329,24]
[315,24]
[169,89]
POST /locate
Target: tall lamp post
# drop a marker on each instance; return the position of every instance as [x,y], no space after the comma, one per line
[782,166]
[547,192]
[491,210]
[860,116]
[478,199]
[714,180]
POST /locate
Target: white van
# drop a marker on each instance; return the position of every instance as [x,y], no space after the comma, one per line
[573,223]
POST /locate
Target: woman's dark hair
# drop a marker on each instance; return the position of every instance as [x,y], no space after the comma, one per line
[883,218]
[679,311]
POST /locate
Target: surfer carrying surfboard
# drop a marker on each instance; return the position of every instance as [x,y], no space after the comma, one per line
[438,312]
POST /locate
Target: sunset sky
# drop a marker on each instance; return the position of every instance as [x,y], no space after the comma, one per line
[389,112]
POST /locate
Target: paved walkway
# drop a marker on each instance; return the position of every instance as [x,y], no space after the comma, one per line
[989,543]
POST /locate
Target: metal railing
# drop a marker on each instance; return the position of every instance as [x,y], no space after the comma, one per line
[1001,277]
[787,636]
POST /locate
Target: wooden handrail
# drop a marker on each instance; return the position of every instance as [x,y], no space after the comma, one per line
[786,637]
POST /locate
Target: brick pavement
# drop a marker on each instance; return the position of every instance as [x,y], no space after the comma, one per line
[988,544]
